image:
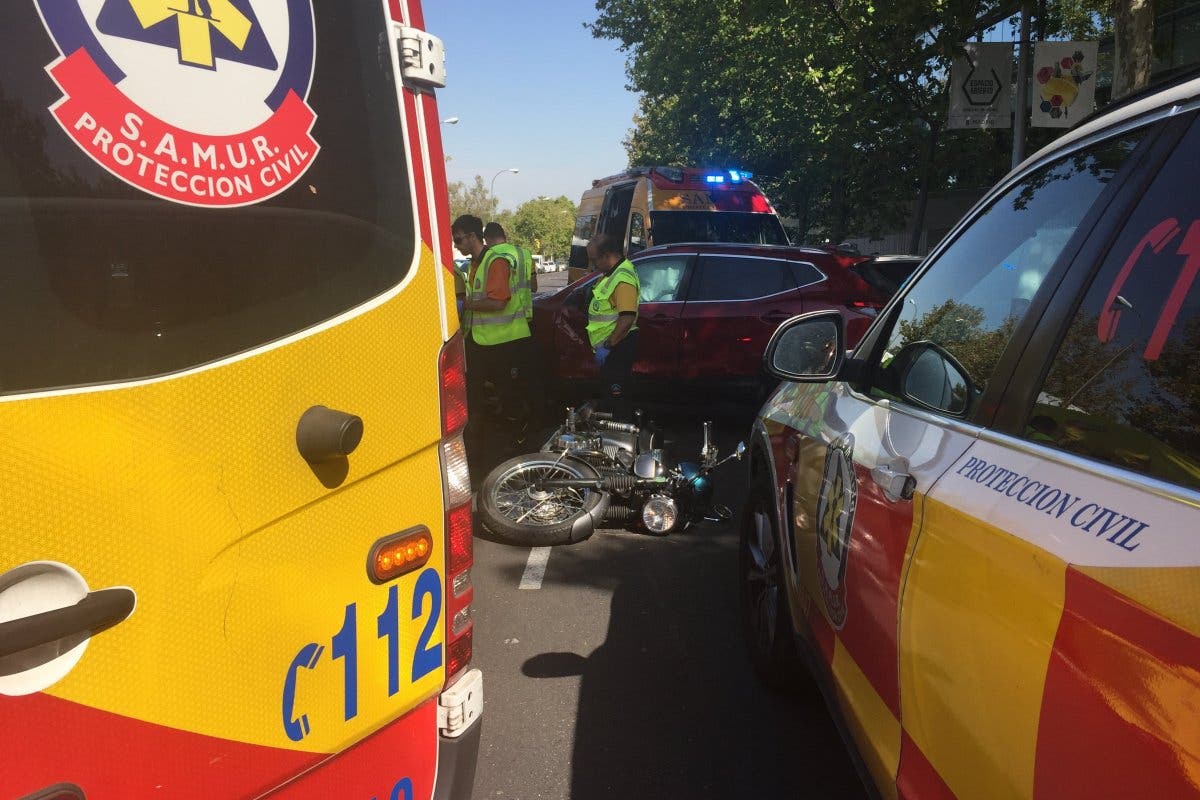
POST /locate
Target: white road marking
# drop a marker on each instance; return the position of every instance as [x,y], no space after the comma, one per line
[535,568]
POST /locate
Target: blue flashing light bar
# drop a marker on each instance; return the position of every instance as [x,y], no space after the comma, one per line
[715,178]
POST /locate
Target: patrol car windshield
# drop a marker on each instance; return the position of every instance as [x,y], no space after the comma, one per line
[669,227]
[149,264]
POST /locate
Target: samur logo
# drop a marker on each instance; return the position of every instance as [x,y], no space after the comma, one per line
[202,102]
[835,522]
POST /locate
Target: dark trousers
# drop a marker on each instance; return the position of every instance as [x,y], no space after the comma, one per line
[616,374]
[498,406]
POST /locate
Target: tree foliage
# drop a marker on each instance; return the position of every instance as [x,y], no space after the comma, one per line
[474,199]
[544,224]
[836,105]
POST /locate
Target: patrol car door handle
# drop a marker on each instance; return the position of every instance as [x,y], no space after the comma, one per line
[96,612]
[897,485]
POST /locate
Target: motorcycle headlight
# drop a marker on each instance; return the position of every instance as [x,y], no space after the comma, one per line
[660,514]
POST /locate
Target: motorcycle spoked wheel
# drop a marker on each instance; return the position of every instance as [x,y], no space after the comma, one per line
[512,507]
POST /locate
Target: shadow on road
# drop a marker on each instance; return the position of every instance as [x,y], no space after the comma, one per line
[669,706]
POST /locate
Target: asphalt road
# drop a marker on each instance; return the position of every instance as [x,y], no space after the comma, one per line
[620,671]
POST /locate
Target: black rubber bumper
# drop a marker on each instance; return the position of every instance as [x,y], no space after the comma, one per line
[456,764]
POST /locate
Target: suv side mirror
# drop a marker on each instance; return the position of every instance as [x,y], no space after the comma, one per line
[810,348]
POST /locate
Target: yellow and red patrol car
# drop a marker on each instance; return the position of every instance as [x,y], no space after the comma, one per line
[235,526]
[982,526]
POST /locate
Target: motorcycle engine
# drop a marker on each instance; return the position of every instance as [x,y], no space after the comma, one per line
[576,443]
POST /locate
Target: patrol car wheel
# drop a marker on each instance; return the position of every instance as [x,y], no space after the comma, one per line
[766,620]
[512,504]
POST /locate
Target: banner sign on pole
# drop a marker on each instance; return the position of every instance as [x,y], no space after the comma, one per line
[981,87]
[1064,83]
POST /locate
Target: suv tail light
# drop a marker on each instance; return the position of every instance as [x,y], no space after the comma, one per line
[456,489]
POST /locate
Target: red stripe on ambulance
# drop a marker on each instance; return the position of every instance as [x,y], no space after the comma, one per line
[167,762]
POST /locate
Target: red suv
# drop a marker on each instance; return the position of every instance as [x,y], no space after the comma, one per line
[708,310]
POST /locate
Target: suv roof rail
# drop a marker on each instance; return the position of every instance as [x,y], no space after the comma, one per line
[1178,79]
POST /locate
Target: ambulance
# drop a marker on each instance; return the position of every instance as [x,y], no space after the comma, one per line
[235,525]
[980,529]
[648,206]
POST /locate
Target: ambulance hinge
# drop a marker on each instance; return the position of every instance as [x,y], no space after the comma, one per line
[422,58]
[461,705]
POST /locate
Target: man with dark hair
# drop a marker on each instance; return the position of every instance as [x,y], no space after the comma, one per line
[495,330]
[612,319]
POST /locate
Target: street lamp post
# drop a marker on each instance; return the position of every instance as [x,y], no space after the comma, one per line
[513,170]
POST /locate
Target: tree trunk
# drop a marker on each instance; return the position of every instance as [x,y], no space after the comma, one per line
[1134,46]
[918,220]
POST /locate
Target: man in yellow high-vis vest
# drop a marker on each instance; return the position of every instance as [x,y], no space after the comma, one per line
[612,320]
[497,337]
[494,236]
[531,365]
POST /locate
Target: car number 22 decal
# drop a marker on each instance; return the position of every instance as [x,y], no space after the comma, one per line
[426,657]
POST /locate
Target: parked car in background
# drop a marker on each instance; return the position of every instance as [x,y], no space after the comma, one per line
[707,310]
[982,525]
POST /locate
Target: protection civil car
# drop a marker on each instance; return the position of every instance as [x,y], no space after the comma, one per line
[982,526]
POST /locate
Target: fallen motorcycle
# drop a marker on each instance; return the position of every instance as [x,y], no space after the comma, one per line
[593,469]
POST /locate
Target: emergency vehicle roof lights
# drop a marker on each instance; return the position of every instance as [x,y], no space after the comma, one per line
[715,178]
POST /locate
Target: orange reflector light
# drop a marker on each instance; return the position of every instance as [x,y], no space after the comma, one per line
[401,553]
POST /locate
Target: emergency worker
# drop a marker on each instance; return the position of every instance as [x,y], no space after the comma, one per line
[612,320]
[496,334]
[495,236]
[531,363]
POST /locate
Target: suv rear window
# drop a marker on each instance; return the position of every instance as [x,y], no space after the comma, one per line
[886,276]
[102,282]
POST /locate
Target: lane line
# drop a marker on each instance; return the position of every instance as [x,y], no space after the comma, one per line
[535,568]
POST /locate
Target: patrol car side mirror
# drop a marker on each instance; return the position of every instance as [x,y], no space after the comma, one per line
[810,348]
[928,375]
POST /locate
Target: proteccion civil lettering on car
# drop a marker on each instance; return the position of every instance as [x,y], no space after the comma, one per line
[1056,503]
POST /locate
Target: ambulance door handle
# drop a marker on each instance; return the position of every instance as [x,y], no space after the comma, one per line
[97,611]
[897,484]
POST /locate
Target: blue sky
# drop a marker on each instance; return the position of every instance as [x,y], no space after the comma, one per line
[533,90]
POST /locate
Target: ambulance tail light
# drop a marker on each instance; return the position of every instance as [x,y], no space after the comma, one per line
[456,484]
[452,369]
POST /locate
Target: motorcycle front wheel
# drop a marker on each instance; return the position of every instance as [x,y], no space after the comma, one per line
[513,506]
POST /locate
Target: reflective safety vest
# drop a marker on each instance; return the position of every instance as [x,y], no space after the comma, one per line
[497,327]
[524,261]
[527,288]
[602,314]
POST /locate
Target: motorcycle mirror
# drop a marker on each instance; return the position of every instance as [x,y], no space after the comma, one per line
[741,451]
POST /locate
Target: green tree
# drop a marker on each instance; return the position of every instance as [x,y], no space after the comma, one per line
[836,105]
[544,225]
[474,199]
